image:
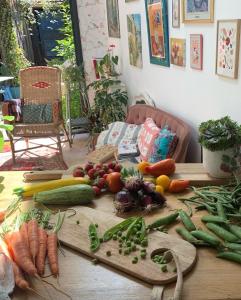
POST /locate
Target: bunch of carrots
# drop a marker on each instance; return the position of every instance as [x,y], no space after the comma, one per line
[28,244]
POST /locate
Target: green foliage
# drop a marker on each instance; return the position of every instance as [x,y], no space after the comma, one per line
[12,54]
[109,104]
[7,127]
[106,66]
[219,134]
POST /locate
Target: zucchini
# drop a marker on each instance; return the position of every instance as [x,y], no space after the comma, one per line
[68,195]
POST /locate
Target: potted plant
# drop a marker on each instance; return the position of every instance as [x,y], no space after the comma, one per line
[220,140]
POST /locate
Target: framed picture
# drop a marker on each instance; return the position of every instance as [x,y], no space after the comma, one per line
[157,25]
[227,51]
[197,11]
[178,52]
[113,18]
[175,13]
[134,39]
[196,51]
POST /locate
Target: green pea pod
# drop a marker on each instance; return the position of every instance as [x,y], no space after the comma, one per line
[220,210]
[213,219]
[186,220]
[236,257]
[235,229]
[143,229]
[221,232]
[205,236]
[121,226]
[186,235]
[94,240]
[164,221]
[131,227]
[233,246]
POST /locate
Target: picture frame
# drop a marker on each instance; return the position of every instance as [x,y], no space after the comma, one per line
[112,10]
[175,13]
[178,52]
[158,33]
[134,39]
[196,51]
[198,11]
[227,48]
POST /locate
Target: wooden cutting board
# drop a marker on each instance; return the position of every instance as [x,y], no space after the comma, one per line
[76,237]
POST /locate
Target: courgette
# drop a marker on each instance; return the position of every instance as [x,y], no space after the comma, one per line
[68,195]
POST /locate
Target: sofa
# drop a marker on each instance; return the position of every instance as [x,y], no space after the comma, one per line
[138,113]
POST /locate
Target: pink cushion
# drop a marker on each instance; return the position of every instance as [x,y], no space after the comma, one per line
[146,139]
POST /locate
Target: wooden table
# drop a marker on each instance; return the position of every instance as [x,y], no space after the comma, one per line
[210,279]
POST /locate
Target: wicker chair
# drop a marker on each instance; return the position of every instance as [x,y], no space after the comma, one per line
[39,86]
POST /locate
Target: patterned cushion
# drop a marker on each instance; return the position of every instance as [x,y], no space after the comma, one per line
[146,138]
[37,113]
[164,145]
[119,133]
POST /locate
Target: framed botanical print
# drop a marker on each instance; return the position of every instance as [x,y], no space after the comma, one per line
[134,39]
[196,51]
[175,13]
[197,11]
[157,25]
[113,18]
[227,50]
[178,52]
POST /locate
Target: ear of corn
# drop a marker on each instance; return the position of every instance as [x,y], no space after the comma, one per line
[68,195]
[30,190]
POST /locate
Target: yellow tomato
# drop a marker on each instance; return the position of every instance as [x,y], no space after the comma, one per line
[142,165]
[164,181]
[159,189]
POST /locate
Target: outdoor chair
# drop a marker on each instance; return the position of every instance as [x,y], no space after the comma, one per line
[41,116]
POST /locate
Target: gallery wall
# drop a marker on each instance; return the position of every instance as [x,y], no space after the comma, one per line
[192,95]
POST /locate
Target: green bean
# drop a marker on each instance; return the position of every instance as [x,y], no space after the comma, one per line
[221,232]
[186,220]
[121,226]
[205,236]
[186,235]
[235,229]
[95,241]
[233,246]
[236,257]
[213,219]
[220,210]
[164,221]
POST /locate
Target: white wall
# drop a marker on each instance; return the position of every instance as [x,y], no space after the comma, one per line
[192,95]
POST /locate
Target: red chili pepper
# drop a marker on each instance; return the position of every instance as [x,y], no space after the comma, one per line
[178,185]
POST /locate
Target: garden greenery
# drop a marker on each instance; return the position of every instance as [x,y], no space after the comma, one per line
[219,134]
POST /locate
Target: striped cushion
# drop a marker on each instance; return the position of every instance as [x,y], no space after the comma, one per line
[119,133]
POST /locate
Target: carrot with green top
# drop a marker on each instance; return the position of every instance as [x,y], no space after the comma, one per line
[40,261]
[33,238]
[52,247]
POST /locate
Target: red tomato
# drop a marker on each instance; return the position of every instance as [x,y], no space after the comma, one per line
[114,182]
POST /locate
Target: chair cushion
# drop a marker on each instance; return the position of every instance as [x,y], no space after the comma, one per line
[164,145]
[37,113]
[146,138]
[118,133]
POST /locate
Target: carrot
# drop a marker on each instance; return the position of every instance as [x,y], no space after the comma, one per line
[18,277]
[40,262]
[2,215]
[33,238]
[20,253]
[52,247]
[24,233]
[52,253]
